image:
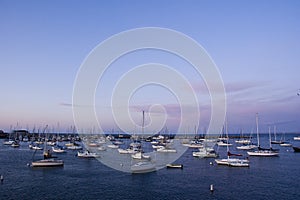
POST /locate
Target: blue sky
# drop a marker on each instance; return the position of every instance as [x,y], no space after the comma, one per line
[255,44]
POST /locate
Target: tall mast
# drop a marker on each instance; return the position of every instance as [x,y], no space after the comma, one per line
[227,138]
[270,137]
[143,123]
[257,130]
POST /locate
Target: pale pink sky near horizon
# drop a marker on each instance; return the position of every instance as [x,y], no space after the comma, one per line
[254,44]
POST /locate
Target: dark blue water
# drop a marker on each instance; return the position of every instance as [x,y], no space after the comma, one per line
[266,178]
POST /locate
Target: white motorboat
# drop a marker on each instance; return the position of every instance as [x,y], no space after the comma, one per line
[87,154]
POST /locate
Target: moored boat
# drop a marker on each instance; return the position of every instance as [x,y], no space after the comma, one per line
[174,166]
[263,152]
[205,153]
[87,154]
[143,167]
[58,150]
[247,147]
[8,142]
[47,163]
[297,138]
[286,144]
[296,149]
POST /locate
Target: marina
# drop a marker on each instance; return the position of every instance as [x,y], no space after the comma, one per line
[72,174]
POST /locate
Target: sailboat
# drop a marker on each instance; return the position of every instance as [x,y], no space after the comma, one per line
[48,160]
[247,146]
[205,152]
[276,141]
[285,143]
[262,151]
[9,141]
[223,141]
[87,154]
[243,140]
[146,165]
[232,162]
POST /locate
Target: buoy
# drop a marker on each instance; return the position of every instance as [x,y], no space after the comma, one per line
[211,188]
[211,163]
[1,178]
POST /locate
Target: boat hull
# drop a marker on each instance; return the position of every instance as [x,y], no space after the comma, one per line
[47,163]
[174,166]
[296,149]
[263,153]
[143,167]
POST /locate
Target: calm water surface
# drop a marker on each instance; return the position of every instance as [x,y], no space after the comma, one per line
[266,178]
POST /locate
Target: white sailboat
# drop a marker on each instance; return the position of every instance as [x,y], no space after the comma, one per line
[261,151]
[285,143]
[249,145]
[143,166]
[87,154]
[275,141]
[48,160]
[58,150]
[232,162]
[243,140]
[205,153]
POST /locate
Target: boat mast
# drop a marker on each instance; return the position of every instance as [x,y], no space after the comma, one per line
[226,129]
[257,130]
[275,133]
[143,124]
[270,137]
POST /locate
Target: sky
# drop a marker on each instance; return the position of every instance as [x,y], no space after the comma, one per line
[254,44]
